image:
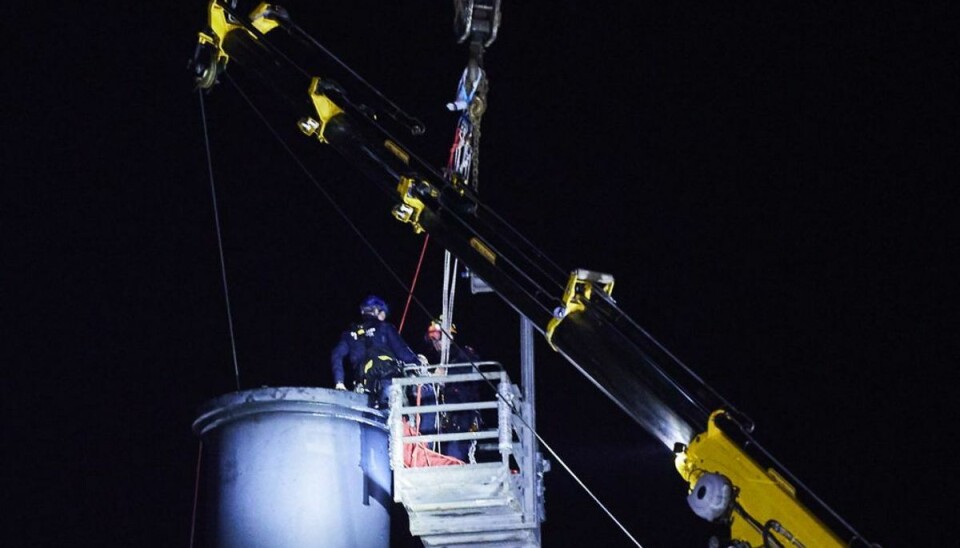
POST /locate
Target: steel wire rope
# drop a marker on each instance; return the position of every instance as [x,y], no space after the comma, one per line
[336,207]
[541,254]
[511,238]
[508,243]
[262,38]
[470,144]
[277,51]
[796,481]
[417,127]
[745,429]
[216,216]
[467,145]
[294,104]
[430,168]
[312,41]
[340,210]
[519,235]
[506,258]
[668,377]
[582,485]
[656,343]
[422,306]
[675,359]
[352,225]
[270,82]
[653,340]
[473,148]
[447,340]
[551,450]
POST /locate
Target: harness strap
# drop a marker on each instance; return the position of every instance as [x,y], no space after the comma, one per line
[378,360]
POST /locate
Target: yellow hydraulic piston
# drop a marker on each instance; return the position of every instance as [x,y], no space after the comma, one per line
[726,484]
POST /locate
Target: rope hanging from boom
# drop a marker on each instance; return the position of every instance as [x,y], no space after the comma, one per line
[476,21]
[464,162]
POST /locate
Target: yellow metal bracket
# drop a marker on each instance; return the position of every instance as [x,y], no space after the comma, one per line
[262,17]
[764,494]
[325,108]
[220,23]
[410,206]
[579,289]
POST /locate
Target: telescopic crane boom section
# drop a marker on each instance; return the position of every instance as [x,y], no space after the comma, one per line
[577,315]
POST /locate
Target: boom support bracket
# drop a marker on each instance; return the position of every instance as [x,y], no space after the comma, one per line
[410,206]
[210,58]
[326,109]
[762,504]
[579,289]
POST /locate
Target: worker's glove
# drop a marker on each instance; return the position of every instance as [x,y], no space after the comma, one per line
[423,359]
[340,386]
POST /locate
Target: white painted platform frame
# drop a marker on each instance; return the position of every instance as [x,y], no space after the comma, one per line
[487,504]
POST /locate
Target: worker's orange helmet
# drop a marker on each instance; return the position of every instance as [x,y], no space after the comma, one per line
[435,332]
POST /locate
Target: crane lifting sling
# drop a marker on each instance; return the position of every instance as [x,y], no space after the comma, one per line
[575,312]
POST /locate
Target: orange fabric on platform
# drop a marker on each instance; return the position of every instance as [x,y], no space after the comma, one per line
[416,455]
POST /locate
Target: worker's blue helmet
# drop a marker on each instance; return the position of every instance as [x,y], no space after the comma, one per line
[372,305]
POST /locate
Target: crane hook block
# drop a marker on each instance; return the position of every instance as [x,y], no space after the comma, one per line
[477,20]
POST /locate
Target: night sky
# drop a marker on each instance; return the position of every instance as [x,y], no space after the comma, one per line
[772,185]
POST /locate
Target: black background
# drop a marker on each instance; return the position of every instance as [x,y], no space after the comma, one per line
[771,185]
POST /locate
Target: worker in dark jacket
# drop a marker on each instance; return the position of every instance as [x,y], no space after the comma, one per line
[425,393]
[456,392]
[376,353]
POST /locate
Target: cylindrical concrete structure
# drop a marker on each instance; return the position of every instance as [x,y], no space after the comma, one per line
[293,468]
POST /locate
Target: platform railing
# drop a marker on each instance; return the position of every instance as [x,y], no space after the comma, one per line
[505,399]
[492,500]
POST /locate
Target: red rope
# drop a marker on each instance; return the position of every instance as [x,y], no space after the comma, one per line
[453,148]
[413,284]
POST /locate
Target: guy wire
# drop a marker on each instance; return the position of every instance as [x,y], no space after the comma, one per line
[216,217]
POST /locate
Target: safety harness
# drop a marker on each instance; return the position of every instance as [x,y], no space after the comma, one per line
[380,362]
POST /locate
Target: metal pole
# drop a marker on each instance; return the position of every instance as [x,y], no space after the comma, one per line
[526,370]
[529,407]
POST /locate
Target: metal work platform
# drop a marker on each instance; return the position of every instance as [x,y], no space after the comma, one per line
[494,502]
